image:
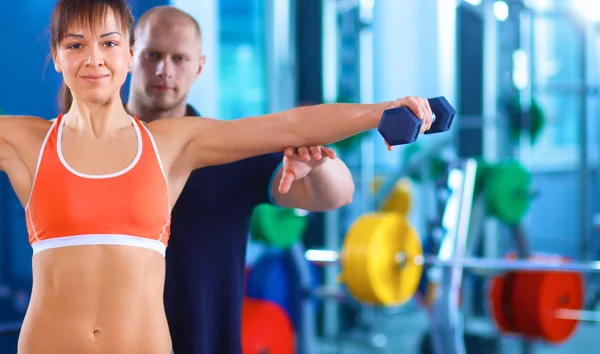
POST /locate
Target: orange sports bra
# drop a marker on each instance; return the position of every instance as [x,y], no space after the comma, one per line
[69,208]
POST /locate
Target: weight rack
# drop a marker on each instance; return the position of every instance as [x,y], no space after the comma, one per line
[460,230]
[458,219]
[447,321]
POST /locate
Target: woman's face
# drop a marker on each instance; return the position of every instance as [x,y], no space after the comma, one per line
[95,61]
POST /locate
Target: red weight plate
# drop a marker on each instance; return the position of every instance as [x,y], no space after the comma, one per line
[531,293]
[519,301]
[559,290]
[508,308]
[266,328]
[496,297]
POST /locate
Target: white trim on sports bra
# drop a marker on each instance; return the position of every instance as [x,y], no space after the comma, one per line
[111,175]
[39,160]
[100,239]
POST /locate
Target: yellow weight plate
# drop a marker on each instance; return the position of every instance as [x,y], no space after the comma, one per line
[371,271]
[399,200]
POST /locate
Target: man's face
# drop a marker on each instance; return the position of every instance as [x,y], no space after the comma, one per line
[167,61]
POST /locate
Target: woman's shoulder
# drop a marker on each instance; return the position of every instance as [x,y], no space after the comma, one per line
[28,121]
[40,123]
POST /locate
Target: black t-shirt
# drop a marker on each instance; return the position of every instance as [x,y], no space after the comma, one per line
[206,254]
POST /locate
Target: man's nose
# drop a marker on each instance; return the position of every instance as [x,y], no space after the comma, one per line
[164,69]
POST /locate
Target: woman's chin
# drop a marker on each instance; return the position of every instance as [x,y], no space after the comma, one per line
[100,97]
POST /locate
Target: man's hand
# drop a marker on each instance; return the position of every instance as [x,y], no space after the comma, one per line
[298,163]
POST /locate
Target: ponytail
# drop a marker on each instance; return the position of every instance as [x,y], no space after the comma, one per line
[65,99]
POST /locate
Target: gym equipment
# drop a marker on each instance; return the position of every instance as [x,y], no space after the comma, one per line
[271,279]
[266,328]
[382,260]
[425,290]
[369,262]
[428,163]
[507,190]
[530,119]
[274,278]
[400,126]
[529,303]
[277,226]
[399,200]
[474,344]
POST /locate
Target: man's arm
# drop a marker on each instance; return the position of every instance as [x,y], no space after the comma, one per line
[315,179]
[326,187]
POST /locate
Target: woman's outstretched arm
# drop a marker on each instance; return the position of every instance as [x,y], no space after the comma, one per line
[211,142]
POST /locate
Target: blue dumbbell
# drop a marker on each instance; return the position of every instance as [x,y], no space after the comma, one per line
[400,126]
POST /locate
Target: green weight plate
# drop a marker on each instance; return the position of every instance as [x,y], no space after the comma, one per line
[530,119]
[537,120]
[277,226]
[507,191]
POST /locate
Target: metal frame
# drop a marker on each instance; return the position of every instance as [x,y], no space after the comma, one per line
[447,323]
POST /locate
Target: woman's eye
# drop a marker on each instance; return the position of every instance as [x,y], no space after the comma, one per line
[74,46]
[110,44]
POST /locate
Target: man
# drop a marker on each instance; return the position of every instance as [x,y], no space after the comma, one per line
[209,231]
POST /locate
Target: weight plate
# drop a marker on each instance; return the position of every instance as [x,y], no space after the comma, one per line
[559,290]
[270,279]
[524,303]
[507,191]
[400,198]
[534,322]
[369,259]
[266,328]
[277,226]
[518,302]
[497,304]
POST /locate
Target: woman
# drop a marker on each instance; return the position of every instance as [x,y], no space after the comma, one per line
[98,186]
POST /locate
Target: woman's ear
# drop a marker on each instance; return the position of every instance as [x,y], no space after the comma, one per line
[131,54]
[55,61]
[57,67]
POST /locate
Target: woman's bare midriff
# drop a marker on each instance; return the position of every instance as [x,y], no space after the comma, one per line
[96,300]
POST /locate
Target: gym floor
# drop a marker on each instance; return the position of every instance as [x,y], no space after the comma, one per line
[403,332]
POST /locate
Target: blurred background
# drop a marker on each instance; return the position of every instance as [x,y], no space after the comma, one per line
[523,76]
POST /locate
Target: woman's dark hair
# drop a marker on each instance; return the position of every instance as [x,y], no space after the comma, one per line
[87,14]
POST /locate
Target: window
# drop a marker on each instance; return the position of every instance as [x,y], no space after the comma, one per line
[242,58]
[560,58]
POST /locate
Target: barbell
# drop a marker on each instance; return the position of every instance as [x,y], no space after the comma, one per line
[382,264]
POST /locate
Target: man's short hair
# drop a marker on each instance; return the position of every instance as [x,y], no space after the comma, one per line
[142,21]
